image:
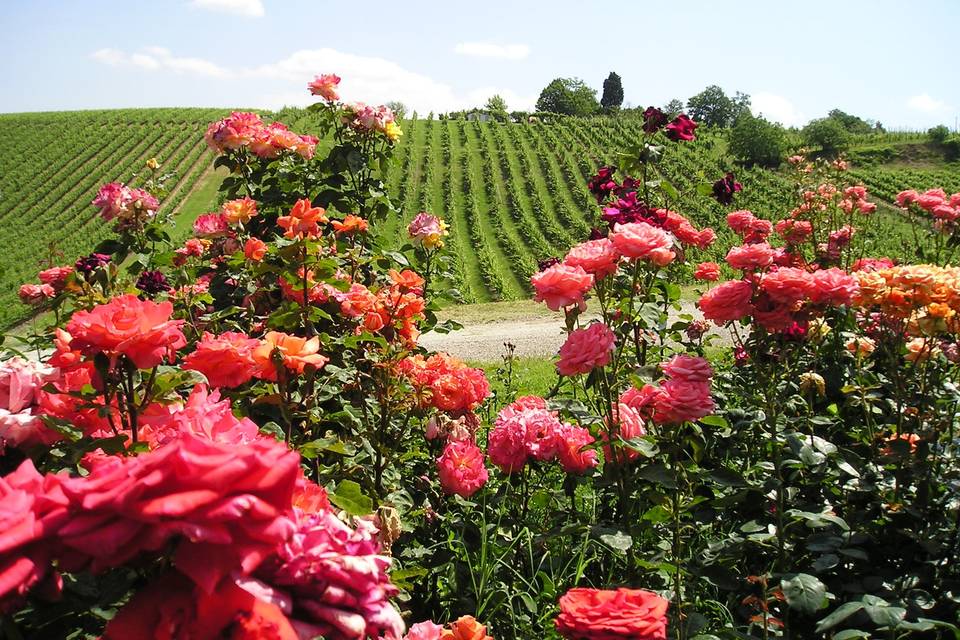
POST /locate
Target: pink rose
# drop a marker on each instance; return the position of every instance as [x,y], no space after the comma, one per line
[641,240]
[586,349]
[325,86]
[689,368]
[507,445]
[461,469]
[561,286]
[740,221]
[833,286]
[56,277]
[226,360]
[683,401]
[597,257]
[211,225]
[787,285]
[729,301]
[627,424]
[34,294]
[428,630]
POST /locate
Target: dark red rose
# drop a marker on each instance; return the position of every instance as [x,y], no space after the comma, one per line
[653,119]
[681,128]
[603,183]
[724,189]
[543,265]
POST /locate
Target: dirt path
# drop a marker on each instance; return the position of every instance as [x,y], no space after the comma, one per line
[533,332]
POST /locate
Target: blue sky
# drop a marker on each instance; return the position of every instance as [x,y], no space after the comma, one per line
[890,61]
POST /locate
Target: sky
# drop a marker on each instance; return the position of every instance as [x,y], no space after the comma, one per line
[889,61]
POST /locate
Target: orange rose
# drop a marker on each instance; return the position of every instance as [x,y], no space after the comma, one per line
[350,224]
[465,628]
[303,221]
[297,353]
[255,249]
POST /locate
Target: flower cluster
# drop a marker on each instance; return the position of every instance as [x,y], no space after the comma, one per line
[366,119]
[445,383]
[128,204]
[683,397]
[392,310]
[526,430]
[926,297]
[943,208]
[247,130]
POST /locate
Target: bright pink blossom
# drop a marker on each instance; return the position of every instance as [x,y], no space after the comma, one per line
[642,241]
[461,469]
[597,257]
[728,301]
[586,349]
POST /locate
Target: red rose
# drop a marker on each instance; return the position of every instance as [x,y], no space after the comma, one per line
[595,614]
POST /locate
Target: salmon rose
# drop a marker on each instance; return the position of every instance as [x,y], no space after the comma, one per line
[561,286]
[595,614]
[139,329]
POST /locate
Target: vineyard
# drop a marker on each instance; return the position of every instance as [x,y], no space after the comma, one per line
[51,166]
[513,194]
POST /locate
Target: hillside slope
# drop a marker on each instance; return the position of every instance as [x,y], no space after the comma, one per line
[513,194]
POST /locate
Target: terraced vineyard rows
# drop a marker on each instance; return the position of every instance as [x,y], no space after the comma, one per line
[51,166]
[512,194]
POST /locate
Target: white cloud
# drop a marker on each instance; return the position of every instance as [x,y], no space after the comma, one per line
[249,8]
[490,50]
[777,109]
[156,58]
[368,79]
[926,104]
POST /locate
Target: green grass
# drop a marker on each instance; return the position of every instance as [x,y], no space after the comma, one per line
[530,376]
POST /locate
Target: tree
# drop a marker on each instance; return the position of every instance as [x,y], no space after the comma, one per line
[570,96]
[828,134]
[851,123]
[712,107]
[756,141]
[399,109]
[497,107]
[673,108]
[741,107]
[612,92]
[938,134]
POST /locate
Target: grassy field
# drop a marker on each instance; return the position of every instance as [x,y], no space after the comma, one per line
[513,194]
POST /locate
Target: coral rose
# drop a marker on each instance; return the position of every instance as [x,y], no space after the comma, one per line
[594,614]
[727,302]
[139,329]
[641,240]
[787,285]
[561,286]
[303,221]
[254,249]
[750,256]
[427,630]
[461,469]
[833,286]
[226,360]
[325,86]
[709,271]
[573,455]
[586,349]
[597,257]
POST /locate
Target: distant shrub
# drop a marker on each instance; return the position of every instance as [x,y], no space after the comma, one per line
[756,141]
[828,134]
[938,134]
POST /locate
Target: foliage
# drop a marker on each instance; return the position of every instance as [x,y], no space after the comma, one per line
[714,108]
[612,96]
[828,134]
[756,141]
[568,96]
[938,134]
[853,124]
[497,107]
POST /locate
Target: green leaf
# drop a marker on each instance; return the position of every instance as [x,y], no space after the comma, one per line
[348,497]
[714,421]
[804,592]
